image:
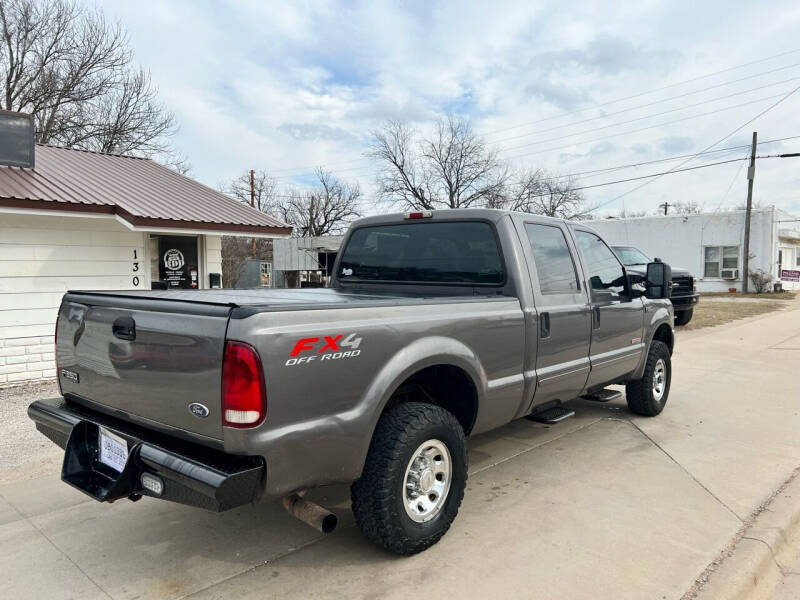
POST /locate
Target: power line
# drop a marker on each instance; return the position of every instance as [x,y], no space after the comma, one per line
[666,159]
[694,168]
[305,170]
[624,133]
[725,97]
[640,94]
[768,58]
[655,175]
[730,185]
[604,170]
[722,139]
[606,137]
[554,139]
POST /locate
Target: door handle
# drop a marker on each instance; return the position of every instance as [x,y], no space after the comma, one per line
[544,325]
[595,317]
[124,328]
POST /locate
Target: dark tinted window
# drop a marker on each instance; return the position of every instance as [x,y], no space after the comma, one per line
[604,269]
[554,264]
[460,253]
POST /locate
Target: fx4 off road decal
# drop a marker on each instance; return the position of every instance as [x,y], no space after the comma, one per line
[326,347]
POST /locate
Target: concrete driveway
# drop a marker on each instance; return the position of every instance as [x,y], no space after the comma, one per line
[603,505]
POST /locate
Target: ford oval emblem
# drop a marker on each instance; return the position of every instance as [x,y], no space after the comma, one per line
[199,410]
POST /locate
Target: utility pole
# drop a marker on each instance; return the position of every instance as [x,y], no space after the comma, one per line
[666,205]
[751,173]
[253,204]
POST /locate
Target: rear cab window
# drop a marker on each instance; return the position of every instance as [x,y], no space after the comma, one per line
[444,253]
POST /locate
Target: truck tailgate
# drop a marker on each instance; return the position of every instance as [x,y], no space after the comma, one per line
[144,358]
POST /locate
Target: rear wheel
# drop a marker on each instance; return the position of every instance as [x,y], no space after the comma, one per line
[648,395]
[413,479]
[684,316]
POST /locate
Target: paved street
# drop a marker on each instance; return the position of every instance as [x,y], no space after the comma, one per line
[603,505]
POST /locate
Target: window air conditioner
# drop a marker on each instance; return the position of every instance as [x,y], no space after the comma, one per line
[730,273]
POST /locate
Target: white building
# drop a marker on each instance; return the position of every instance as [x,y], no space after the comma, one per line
[86,221]
[710,245]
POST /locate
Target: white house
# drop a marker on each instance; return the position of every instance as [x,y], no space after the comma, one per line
[710,245]
[87,221]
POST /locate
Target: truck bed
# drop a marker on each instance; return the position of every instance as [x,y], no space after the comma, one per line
[173,354]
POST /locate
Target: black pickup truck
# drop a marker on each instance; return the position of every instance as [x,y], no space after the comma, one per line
[684,292]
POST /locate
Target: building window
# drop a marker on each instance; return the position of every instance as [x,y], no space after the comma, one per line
[797,257]
[717,258]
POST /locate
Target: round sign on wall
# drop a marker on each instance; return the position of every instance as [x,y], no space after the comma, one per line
[173,259]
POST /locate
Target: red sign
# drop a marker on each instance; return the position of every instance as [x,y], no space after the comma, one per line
[790,275]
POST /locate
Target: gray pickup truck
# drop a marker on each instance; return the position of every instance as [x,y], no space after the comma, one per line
[437,325]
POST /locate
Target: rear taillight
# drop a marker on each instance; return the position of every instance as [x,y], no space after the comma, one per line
[244,398]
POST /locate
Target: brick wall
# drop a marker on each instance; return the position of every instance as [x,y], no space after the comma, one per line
[27,359]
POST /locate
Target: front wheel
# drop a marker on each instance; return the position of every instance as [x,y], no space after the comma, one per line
[413,479]
[648,395]
[683,317]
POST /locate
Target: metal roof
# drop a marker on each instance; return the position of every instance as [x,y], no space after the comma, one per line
[140,191]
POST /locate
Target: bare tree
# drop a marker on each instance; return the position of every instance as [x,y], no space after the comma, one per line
[73,70]
[541,193]
[630,214]
[265,187]
[326,209]
[682,207]
[452,169]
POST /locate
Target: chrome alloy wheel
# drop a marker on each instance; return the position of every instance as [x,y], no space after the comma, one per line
[427,481]
[659,380]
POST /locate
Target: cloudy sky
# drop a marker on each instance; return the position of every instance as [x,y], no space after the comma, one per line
[565,85]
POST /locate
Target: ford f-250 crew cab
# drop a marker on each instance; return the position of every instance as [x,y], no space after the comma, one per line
[437,325]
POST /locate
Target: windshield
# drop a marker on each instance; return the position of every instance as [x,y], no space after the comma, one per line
[631,256]
[446,253]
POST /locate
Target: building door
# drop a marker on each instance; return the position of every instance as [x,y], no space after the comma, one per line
[174,262]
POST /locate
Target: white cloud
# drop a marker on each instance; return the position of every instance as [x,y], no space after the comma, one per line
[287,86]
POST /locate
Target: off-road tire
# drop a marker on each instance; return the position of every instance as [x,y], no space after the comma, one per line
[639,394]
[683,317]
[379,494]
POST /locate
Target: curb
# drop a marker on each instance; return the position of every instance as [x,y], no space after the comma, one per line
[753,564]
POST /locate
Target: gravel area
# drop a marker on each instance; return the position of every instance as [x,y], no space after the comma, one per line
[24,452]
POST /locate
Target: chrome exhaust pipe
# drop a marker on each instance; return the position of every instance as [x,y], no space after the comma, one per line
[310,513]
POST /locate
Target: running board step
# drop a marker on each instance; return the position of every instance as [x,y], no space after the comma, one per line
[552,415]
[603,395]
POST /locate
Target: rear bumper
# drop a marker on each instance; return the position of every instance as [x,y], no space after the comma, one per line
[686,302]
[191,474]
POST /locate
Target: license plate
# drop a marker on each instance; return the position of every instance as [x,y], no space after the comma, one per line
[113,450]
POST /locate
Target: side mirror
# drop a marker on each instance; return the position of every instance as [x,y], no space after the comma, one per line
[658,281]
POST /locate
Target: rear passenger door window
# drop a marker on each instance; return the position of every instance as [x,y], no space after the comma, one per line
[554,265]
